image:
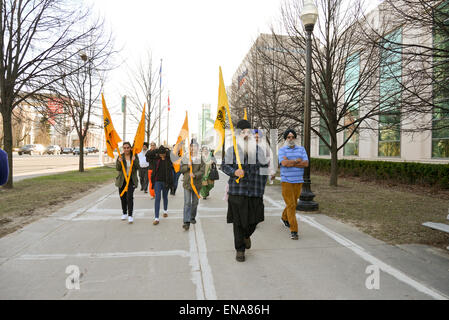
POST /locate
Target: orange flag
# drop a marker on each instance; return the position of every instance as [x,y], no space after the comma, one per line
[140,134]
[112,137]
[183,134]
[137,146]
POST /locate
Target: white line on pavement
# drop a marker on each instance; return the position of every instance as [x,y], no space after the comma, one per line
[195,265]
[181,253]
[367,256]
[116,215]
[206,271]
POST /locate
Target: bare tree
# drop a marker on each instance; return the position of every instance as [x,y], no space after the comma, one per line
[36,36]
[262,88]
[142,88]
[81,82]
[345,73]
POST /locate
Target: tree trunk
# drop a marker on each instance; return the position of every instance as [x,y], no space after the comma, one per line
[334,164]
[81,158]
[7,132]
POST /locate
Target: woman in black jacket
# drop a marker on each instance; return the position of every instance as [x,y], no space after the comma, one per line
[162,180]
[126,158]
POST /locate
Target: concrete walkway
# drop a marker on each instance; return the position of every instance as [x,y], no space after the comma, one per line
[84,251]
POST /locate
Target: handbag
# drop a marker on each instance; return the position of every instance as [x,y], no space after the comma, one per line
[213,174]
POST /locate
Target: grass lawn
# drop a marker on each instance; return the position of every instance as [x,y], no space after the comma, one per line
[391,213]
[33,198]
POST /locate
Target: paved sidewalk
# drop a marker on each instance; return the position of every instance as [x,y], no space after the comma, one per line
[117,260]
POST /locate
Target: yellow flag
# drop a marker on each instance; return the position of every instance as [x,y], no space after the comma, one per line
[220,121]
[140,134]
[223,101]
[245,116]
[112,137]
[183,134]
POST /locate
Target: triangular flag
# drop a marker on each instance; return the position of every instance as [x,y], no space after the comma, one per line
[112,137]
[220,121]
[140,134]
[183,134]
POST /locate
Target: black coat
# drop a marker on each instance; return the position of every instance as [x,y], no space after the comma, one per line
[168,173]
[151,157]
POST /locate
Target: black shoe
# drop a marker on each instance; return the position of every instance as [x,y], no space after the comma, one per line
[193,221]
[186,226]
[285,223]
[240,256]
[247,243]
[294,236]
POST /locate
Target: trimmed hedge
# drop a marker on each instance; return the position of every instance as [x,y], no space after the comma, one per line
[403,172]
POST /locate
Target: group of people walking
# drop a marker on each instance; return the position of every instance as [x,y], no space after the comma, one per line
[248,175]
[159,175]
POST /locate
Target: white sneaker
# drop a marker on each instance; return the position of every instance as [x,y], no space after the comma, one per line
[130,219]
[124,216]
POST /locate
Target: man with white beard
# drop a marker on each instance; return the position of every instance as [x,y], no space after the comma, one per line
[245,201]
[293,160]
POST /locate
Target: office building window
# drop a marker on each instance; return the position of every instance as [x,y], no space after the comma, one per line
[440,119]
[390,95]
[323,148]
[352,72]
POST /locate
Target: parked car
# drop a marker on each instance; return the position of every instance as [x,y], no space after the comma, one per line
[92,150]
[53,149]
[76,151]
[67,150]
[32,148]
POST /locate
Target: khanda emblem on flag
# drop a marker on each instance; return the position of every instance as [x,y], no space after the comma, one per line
[106,122]
[221,117]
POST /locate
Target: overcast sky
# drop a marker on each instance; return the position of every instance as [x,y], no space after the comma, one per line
[193,38]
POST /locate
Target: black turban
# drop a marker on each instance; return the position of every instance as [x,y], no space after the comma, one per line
[287,132]
[243,124]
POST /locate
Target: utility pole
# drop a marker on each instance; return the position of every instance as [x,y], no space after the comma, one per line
[124,116]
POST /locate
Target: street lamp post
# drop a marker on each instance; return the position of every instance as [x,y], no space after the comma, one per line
[308,16]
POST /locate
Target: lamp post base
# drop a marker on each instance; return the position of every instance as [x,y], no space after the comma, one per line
[307,206]
[306,202]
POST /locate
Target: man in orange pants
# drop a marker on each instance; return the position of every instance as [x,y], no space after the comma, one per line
[293,160]
[151,156]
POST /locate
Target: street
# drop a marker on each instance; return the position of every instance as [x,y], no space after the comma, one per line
[26,166]
[84,251]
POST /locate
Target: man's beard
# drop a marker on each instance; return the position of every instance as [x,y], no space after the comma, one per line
[249,148]
[290,143]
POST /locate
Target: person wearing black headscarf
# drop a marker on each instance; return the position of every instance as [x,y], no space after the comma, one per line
[162,180]
[245,201]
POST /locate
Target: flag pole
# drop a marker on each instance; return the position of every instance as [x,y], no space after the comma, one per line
[223,149]
[160,96]
[168,116]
